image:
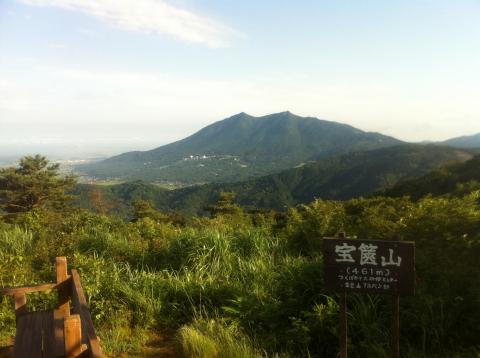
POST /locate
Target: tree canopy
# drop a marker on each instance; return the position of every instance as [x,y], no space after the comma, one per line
[35,183]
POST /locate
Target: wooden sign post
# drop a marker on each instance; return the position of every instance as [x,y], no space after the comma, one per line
[369,266]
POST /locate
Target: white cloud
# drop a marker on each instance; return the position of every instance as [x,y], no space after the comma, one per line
[78,102]
[150,16]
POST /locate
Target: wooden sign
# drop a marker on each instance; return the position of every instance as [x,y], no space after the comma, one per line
[370,266]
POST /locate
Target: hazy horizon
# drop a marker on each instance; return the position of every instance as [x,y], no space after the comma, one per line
[70,147]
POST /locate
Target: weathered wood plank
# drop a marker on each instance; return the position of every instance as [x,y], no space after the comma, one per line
[63,285]
[50,344]
[73,336]
[33,335]
[11,291]
[80,307]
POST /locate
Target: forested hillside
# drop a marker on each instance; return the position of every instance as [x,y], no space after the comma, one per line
[341,177]
[455,179]
[240,283]
[238,148]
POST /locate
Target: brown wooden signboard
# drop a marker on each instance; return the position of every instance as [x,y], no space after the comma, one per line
[369,266]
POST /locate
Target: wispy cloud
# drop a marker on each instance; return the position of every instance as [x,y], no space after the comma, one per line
[151,16]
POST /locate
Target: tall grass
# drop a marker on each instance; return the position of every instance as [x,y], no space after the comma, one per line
[16,246]
[233,289]
[210,338]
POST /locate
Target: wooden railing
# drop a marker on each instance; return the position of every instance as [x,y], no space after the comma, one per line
[80,307]
[62,332]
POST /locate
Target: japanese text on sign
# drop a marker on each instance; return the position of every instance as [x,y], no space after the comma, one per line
[369,265]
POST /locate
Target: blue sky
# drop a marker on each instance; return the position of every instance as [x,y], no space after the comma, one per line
[152,71]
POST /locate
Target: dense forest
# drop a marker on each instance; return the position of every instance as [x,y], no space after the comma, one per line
[456,178]
[340,177]
[239,282]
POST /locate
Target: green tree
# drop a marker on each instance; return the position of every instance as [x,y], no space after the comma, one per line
[145,209]
[224,206]
[35,183]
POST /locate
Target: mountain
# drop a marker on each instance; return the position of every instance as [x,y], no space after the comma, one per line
[471,141]
[238,148]
[456,179]
[340,177]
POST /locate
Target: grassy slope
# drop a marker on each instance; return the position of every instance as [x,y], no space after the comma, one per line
[231,288]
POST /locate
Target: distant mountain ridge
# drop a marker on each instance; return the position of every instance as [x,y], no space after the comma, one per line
[468,141]
[240,147]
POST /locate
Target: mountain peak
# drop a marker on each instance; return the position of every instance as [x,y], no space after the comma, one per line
[240,115]
[239,147]
[283,114]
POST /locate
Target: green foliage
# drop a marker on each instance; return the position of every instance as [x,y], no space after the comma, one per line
[225,205]
[16,247]
[245,284]
[34,184]
[455,179]
[336,178]
[143,209]
[7,320]
[214,339]
[307,224]
[446,232]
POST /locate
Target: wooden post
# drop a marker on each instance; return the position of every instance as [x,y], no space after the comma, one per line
[343,325]
[73,336]
[396,326]
[20,303]
[63,285]
[343,315]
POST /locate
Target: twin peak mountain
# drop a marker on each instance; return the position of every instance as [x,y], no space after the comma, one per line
[241,147]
